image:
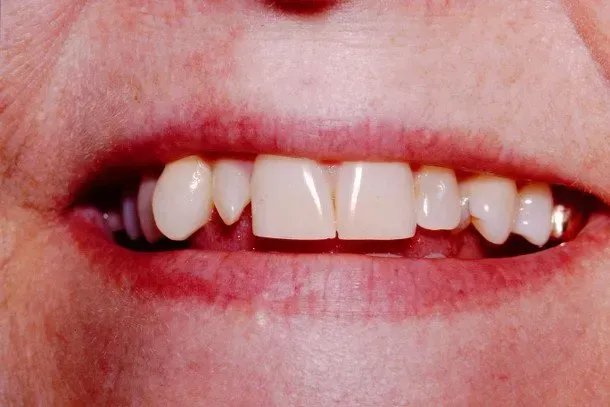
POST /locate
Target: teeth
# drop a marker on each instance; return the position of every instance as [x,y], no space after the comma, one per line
[145,210]
[492,205]
[533,217]
[291,199]
[182,201]
[231,188]
[375,201]
[130,217]
[437,199]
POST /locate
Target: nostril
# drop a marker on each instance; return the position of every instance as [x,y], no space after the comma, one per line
[302,7]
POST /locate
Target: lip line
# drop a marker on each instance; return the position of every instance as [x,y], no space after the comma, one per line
[323,140]
[338,285]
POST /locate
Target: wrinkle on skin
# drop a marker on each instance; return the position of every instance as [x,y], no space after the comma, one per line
[592,20]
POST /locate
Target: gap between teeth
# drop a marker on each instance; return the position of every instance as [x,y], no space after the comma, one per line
[301,199]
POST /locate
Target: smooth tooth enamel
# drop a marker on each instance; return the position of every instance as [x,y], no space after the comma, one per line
[291,199]
[375,201]
[534,212]
[182,201]
[130,217]
[231,190]
[492,202]
[145,211]
[437,199]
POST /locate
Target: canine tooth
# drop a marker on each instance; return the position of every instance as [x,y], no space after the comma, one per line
[375,201]
[533,217]
[231,188]
[130,217]
[437,199]
[291,199]
[182,201]
[145,211]
[492,202]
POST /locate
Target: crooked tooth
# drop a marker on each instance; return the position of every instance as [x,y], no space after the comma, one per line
[492,202]
[182,201]
[437,199]
[375,201]
[231,189]
[533,217]
[291,199]
[145,210]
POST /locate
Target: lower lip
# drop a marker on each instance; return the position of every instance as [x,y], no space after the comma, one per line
[332,285]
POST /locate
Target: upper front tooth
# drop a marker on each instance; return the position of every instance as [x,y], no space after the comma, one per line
[375,201]
[437,199]
[291,199]
[533,218]
[492,205]
[182,202]
[231,188]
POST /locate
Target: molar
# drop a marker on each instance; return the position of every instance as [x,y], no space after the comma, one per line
[291,199]
[182,201]
[375,201]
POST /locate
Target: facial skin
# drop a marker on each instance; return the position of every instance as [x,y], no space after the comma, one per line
[76,76]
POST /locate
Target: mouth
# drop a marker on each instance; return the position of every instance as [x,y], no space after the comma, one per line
[361,221]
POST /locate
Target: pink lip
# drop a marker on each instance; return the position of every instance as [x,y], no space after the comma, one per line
[332,284]
[231,133]
[324,284]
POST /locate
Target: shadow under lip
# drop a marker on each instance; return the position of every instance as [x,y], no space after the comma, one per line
[349,286]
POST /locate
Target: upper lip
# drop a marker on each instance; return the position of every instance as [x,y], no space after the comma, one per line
[323,140]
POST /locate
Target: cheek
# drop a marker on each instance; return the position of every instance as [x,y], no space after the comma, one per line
[592,21]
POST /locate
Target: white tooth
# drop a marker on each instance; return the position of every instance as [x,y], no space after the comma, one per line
[145,210]
[492,202]
[291,199]
[437,199]
[231,188]
[533,218]
[130,217]
[182,202]
[375,201]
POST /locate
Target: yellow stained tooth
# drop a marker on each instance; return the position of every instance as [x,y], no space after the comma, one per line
[375,201]
[182,201]
[231,189]
[291,199]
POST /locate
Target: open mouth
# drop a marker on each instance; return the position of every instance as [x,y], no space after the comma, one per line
[251,223]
